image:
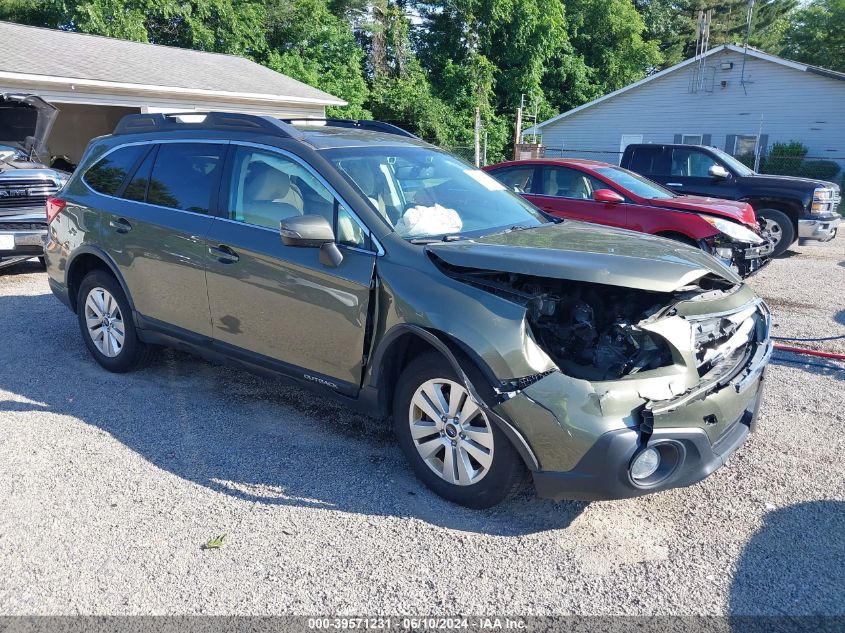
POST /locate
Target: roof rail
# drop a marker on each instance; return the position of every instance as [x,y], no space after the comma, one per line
[223,121]
[360,124]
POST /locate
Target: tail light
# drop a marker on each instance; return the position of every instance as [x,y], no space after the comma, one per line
[54,207]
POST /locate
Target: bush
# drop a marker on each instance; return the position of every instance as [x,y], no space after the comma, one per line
[788,159]
[821,169]
[793,149]
[784,159]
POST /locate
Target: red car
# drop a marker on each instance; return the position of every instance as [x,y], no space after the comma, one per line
[592,191]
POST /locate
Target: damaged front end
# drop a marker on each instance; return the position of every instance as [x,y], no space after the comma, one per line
[675,372]
[745,257]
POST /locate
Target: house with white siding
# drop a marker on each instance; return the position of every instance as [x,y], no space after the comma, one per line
[94,81]
[740,100]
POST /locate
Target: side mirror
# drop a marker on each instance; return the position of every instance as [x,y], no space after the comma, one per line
[312,231]
[717,171]
[608,196]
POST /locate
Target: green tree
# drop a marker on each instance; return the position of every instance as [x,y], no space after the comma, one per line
[518,39]
[672,24]
[606,52]
[226,26]
[306,41]
[815,34]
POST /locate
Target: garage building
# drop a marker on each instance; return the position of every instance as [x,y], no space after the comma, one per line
[94,81]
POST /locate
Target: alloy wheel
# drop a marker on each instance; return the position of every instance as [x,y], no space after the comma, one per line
[104,322]
[771,230]
[451,432]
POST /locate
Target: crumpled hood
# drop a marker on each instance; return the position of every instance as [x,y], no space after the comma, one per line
[25,122]
[735,210]
[586,252]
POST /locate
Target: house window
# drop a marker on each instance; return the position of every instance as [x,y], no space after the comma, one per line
[692,139]
[745,144]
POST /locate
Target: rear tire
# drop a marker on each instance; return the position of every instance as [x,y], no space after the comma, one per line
[105,320]
[776,226]
[464,458]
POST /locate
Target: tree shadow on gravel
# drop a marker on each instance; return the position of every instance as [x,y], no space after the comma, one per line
[794,566]
[241,435]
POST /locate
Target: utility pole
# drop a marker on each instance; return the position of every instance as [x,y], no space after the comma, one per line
[749,19]
[517,138]
[758,149]
[478,137]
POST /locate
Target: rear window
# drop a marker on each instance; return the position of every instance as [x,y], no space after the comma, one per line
[108,174]
[646,160]
[185,175]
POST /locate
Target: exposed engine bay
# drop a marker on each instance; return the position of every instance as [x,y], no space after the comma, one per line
[589,330]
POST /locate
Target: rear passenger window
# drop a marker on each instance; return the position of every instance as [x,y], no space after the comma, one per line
[645,160]
[137,187]
[517,179]
[185,176]
[108,174]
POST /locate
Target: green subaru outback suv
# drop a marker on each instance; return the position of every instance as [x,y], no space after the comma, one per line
[351,257]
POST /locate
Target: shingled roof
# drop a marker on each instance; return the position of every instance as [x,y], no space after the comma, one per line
[100,61]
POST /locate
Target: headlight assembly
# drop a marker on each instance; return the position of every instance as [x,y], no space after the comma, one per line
[734,230]
[822,200]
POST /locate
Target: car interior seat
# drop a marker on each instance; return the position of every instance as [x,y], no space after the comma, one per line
[269,196]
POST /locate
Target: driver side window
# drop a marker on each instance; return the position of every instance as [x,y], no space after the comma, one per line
[267,188]
[563,182]
[691,163]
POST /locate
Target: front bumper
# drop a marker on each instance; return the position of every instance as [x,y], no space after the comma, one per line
[585,439]
[821,229]
[603,473]
[747,259]
[23,235]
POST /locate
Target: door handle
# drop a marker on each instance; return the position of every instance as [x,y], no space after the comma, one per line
[120,225]
[674,184]
[223,254]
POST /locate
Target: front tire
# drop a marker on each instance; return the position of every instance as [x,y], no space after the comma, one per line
[776,226]
[105,320]
[448,439]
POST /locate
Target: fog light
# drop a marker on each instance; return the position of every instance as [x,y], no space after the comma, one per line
[645,464]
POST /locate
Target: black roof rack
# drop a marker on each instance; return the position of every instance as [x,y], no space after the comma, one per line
[358,124]
[224,121]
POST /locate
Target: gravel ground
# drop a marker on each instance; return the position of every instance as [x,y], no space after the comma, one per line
[110,485]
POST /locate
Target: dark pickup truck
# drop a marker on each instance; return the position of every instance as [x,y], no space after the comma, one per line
[787,208]
[25,180]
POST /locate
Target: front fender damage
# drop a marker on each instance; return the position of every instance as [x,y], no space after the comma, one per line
[616,353]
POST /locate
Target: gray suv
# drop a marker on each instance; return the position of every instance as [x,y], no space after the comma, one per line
[355,259]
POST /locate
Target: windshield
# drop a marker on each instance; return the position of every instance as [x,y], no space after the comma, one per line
[740,168]
[635,183]
[426,193]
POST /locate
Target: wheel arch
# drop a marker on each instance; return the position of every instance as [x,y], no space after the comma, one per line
[405,341]
[679,236]
[791,207]
[84,261]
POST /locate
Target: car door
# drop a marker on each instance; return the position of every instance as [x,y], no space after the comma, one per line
[689,173]
[279,305]
[567,193]
[517,178]
[154,225]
